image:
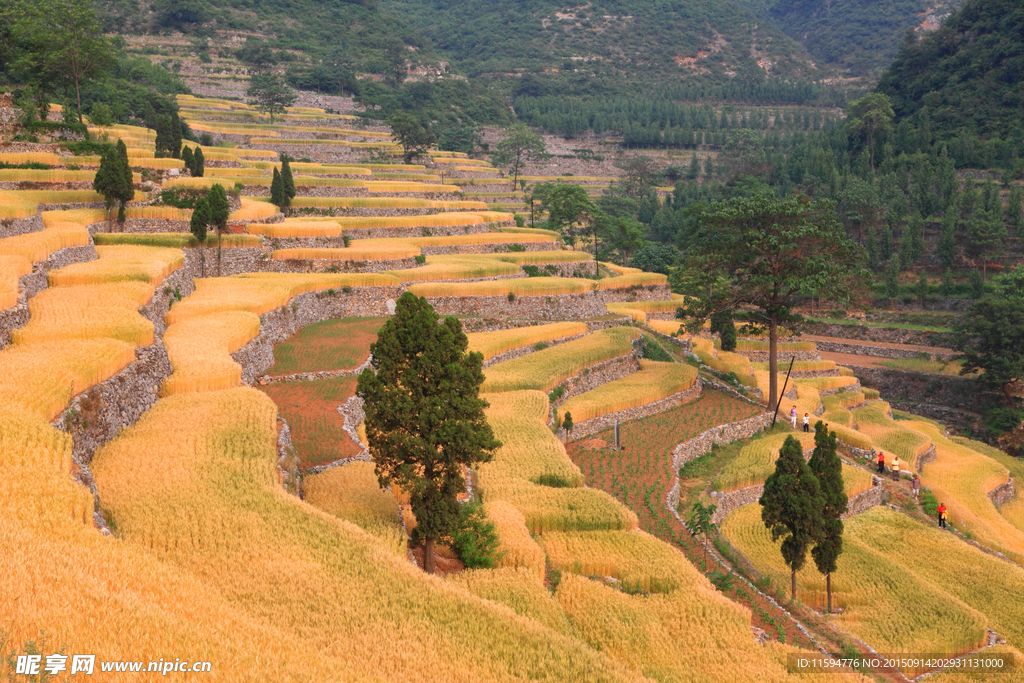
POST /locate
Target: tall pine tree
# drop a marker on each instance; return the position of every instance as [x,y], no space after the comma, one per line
[287,182]
[126,184]
[828,470]
[219,210]
[197,226]
[186,157]
[947,238]
[424,418]
[277,189]
[198,163]
[174,140]
[791,507]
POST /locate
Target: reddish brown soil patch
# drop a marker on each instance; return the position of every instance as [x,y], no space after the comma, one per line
[340,344]
[884,345]
[640,475]
[311,410]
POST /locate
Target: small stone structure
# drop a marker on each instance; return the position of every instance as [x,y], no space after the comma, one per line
[605,421]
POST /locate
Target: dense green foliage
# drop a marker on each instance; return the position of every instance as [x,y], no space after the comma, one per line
[967,78]
[828,470]
[990,335]
[424,418]
[859,36]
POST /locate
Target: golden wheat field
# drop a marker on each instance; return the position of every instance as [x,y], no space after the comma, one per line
[491,344]
[653,382]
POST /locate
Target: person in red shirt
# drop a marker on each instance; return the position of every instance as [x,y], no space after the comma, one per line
[881,462]
[942,515]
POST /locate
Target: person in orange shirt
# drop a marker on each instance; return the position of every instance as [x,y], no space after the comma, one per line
[941,510]
[881,462]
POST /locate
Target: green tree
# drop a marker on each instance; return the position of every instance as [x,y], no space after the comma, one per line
[723,324]
[197,226]
[986,237]
[407,131]
[519,147]
[65,41]
[198,162]
[219,210]
[287,182]
[769,249]
[464,137]
[892,279]
[625,236]
[277,189]
[424,418]
[640,175]
[828,470]
[126,184]
[568,207]
[990,334]
[976,283]
[946,288]
[188,159]
[175,139]
[947,238]
[107,180]
[922,289]
[701,524]
[163,136]
[694,168]
[870,117]
[912,241]
[791,507]
[1014,211]
[567,424]
[270,94]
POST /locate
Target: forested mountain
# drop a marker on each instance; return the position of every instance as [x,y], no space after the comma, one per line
[856,36]
[967,78]
[612,40]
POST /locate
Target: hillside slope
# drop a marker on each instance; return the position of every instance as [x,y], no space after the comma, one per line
[618,38]
[968,73]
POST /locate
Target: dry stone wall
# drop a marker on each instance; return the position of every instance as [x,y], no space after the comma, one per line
[876,351]
[604,422]
[555,307]
[692,449]
[1002,493]
[891,335]
[305,309]
[953,392]
[516,353]
[596,375]
[20,226]
[783,355]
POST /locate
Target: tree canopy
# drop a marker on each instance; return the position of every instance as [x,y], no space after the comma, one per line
[424,417]
[990,335]
[270,93]
[828,470]
[408,132]
[519,147]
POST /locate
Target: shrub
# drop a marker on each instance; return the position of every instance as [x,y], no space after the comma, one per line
[420,258]
[540,346]
[516,247]
[511,297]
[555,481]
[556,393]
[475,540]
[346,289]
[531,271]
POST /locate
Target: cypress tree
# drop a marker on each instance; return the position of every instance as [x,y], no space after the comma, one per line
[287,182]
[174,141]
[424,418]
[277,190]
[791,507]
[186,156]
[828,470]
[947,283]
[107,180]
[198,162]
[219,209]
[125,182]
[200,220]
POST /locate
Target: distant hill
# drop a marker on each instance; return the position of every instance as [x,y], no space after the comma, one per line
[619,41]
[968,74]
[855,36]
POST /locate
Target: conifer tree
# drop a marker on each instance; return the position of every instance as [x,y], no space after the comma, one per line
[198,225]
[791,507]
[198,163]
[126,184]
[424,418]
[986,236]
[219,209]
[107,180]
[828,470]
[277,189]
[186,157]
[1015,211]
[174,141]
[163,136]
[947,238]
[287,182]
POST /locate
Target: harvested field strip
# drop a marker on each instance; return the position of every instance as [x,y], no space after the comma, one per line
[75,312]
[621,270]
[311,411]
[961,477]
[264,181]
[51,176]
[296,228]
[495,343]
[341,344]
[650,306]
[757,460]
[351,492]
[121,263]
[353,253]
[669,327]
[24,203]
[399,186]
[545,369]
[632,280]
[384,203]
[881,599]
[38,246]
[757,345]
[200,348]
[534,286]
[457,267]
[159,213]
[315,141]
[179,240]
[472,238]
[653,382]
[531,453]
[333,226]
[543,257]
[261,293]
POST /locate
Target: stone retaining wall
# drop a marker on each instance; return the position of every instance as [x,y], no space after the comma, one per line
[644,293]
[892,335]
[530,348]
[783,355]
[31,284]
[306,309]
[312,376]
[487,248]
[555,307]
[1002,493]
[20,226]
[605,421]
[330,265]
[900,385]
[596,375]
[864,501]
[876,351]
[692,449]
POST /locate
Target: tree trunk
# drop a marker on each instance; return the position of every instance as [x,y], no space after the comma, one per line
[429,566]
[78,100]
[792,583]
[828,590]
[773,369]
[218,251]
